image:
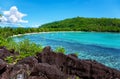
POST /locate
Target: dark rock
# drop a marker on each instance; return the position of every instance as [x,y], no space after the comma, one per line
[47,49]
[71,65]
[12,51]
[31,61]
[5,53]
[73,55]
[23,68]
[51,65]
[6,73]
[3,66]
[4,70]
[47,71]
[20,71]
[37,77]
[44,57]
[2,47]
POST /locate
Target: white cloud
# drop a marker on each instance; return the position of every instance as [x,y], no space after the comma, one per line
[13,16]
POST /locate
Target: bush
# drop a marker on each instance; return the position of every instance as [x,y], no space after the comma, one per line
[60,50]
[24,46]
[2,41]
[25,49]
[10,59]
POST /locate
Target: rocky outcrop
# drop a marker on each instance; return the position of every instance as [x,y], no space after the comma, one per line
[51,65]
[47,71]
[71,65]
[2,66]
[5,52]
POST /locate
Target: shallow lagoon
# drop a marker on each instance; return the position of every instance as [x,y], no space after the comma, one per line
[103,47]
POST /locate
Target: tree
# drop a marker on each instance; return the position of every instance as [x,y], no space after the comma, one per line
[84,24]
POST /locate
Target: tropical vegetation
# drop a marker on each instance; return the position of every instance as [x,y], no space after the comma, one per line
[84,24]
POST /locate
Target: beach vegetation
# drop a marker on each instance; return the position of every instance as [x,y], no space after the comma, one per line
[60,50]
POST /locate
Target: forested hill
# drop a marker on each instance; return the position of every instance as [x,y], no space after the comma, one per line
[85,24]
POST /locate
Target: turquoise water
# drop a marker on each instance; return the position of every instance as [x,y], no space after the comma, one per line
[102,47]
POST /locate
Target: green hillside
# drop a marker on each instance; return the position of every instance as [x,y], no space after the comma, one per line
[84,24]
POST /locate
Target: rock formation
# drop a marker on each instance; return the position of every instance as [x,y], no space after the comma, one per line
[52,65]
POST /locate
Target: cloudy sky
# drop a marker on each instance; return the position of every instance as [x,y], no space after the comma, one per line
[32,13]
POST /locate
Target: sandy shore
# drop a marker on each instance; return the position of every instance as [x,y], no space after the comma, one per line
[42,32]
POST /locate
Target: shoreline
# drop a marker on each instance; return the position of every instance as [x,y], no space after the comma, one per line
[43,32]
[59,31]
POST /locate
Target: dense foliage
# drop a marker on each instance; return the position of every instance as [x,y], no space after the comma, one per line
[85,24]
[8,31]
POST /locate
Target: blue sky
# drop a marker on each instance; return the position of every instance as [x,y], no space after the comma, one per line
[38,12]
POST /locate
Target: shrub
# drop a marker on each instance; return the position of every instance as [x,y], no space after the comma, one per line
[60,50]
[2,41]
[76,53]
[24,46]
[9,59]
[25,49]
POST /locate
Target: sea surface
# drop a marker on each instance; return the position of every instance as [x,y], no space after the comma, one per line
[102,47]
